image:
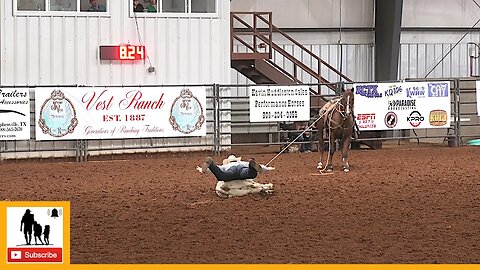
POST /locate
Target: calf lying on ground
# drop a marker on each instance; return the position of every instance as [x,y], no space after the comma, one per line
[235,177]
[237,188]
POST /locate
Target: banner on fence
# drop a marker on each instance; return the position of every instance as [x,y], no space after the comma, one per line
[279,103]
[478,97]
[407,105]
[117,112]
[14,114]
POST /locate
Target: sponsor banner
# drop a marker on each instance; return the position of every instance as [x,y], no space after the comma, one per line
[407,105]
[279,103]
[14,114]
[36,232]
[478,97]
[119,112]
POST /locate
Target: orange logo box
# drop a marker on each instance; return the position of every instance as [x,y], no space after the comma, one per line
[438,118]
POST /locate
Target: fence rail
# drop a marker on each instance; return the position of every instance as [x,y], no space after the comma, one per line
[228,125]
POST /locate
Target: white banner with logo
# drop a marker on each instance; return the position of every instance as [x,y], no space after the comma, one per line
[116,112]
[279,103]
[407,105]
[478,97]
[14,114]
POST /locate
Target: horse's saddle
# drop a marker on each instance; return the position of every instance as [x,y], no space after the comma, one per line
[329,106]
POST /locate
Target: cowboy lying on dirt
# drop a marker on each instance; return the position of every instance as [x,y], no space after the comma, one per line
[235,177]
[233,168]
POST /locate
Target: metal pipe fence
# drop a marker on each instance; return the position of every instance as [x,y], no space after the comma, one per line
[82,149]
[228,125]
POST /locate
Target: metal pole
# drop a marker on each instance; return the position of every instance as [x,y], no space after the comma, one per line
[85,150]
[216,122]
[2,149]
[77,151]
[457,104]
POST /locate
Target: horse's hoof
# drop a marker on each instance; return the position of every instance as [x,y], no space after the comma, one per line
[329,169]
[346,169]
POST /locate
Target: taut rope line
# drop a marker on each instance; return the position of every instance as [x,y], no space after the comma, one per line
[311,125]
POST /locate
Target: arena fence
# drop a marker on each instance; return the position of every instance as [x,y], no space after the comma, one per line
[81,149]
[464,124]
[228,125]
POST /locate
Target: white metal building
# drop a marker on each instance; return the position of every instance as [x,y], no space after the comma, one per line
[430,28]
[187,42]
[57,43]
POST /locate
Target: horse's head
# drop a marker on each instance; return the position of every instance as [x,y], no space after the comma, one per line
[347,102]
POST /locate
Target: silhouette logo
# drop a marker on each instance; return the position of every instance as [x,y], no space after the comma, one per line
[40,238]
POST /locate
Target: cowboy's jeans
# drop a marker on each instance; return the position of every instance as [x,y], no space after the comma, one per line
[239,172]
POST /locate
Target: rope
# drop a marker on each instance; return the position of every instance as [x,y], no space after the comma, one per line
[301,134]
[328,153]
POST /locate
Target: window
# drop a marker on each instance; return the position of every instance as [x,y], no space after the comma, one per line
[203,6]
[61,6]
[151,5]
[31,5]
[93,5]
[175,7]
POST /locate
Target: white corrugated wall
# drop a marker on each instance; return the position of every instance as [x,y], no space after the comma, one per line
[64,49]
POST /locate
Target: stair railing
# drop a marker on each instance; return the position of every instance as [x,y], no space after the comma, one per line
[265,36]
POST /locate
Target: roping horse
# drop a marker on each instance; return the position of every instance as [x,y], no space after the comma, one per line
[337,119]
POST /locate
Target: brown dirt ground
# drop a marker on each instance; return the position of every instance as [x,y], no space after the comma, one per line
[397,205]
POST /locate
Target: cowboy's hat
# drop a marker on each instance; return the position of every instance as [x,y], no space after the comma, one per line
[231,158]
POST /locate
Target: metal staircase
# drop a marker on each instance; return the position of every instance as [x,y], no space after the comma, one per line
[253,52]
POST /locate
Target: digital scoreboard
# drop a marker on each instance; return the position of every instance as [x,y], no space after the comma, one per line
[122,52]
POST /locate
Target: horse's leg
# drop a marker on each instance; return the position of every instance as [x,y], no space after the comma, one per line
[347,138]
[331,151]
[321,142]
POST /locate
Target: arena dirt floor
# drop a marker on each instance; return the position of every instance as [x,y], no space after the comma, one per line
[410,204]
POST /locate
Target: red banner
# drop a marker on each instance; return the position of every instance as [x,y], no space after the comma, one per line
[34,255]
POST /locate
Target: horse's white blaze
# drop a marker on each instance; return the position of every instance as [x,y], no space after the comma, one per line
[347,110]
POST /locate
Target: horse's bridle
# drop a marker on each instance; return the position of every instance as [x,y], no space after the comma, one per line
[347,112]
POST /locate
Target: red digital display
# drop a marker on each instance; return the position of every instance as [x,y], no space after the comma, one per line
[122,52]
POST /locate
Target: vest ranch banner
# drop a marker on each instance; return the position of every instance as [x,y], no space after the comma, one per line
[119,112]
[408,105]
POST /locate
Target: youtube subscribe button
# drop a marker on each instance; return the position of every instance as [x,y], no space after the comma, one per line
[34,255]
